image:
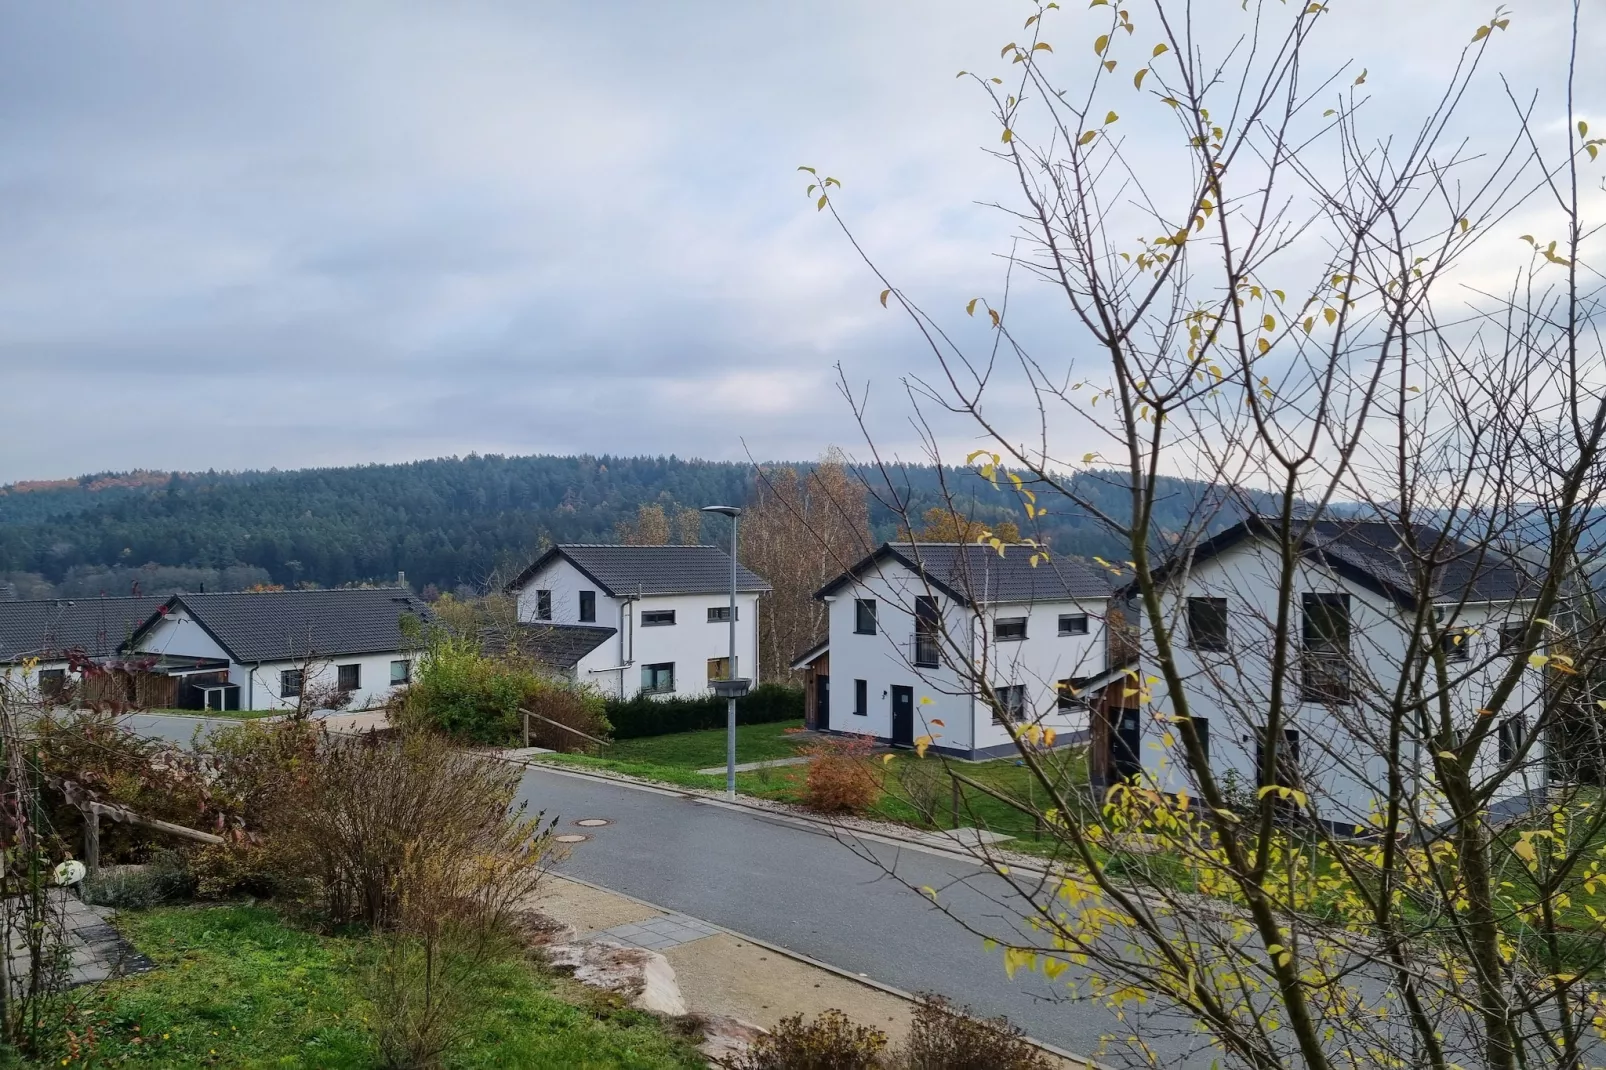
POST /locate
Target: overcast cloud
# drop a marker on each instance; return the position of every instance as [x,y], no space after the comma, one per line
[298,234]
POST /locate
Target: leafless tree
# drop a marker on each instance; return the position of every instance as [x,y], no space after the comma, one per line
[1326,324]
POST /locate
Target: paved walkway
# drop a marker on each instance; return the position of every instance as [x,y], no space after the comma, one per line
[748,767]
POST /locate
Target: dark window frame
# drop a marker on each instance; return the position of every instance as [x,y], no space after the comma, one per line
[352,672]
[1000,624]
[1074,624]
[406,673]
[864,609]
[861,698]
[52,682]
[1510,732]
[291,683]
[1065,701]
[588,607]
[1004,707]
[543,605]
[1216,638]
[928,627]
[657,618]
[1326,629]
[1512,634]
[659,671]
[722,614]
[1456,644]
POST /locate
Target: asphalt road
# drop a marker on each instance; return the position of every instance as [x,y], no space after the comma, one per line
[798,886]
[794,884]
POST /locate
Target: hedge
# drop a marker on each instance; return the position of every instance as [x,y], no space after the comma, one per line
[647,716]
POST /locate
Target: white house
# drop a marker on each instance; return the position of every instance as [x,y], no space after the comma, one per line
[255,650]
[916,627]
[45,643]
[669,607]
[1353,614]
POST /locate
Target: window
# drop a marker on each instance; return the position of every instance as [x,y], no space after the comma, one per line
[658,679]
[1287,760]
[719,669]
[1454,642]
[1072,694]
[1324,661]
[289,683]
[52,682]
[1009,629]
[861,698]
[1011,700]
[1207,623]
[588,606]
[721,614]
[657,618]
[1512,633]
[401,672]
[1201,725]
[1511,731]
[928,625]
[1073,623]
[543,605]
[350,677]
[864,616]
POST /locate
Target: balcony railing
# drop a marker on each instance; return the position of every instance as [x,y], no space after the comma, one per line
[1324,676]
[924,652]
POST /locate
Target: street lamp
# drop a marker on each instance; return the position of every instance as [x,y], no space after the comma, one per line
[731,687]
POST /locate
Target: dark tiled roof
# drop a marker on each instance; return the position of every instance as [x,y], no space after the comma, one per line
[622,571]
[1373,552]
[52,627]
[560,647]
[287,625]
[974,573]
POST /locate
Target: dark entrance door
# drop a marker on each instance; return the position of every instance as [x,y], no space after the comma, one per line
[822,703]
[1124,743]
[903,715]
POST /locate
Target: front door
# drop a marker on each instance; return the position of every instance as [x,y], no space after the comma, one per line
[1124,743]
[903,715]
[822,703]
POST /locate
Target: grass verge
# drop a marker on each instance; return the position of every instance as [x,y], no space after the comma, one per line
[238,986]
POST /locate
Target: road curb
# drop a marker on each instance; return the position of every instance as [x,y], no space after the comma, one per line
[807,960]
[780,815]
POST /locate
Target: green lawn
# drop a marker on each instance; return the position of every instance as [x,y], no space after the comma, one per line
[239,987]
[229,715]
[913,784]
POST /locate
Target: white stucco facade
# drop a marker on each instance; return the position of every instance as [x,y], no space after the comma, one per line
[261,684]
[688,644]
[1342,744]
[947,693]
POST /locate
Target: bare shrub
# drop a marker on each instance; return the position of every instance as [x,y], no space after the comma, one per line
[942,1037]
[375,814]
[571,707]
[841,777]
[830,1042]
[923,785]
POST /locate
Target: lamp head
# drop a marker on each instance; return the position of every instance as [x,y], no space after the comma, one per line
[726,510]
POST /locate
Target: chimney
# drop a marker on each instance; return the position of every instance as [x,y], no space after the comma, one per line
[401,578]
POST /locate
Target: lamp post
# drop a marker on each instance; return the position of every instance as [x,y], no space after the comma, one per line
[731,687]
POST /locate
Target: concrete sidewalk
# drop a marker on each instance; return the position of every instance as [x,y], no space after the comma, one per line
[725,973]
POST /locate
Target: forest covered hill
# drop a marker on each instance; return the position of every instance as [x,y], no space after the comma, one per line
[447,522]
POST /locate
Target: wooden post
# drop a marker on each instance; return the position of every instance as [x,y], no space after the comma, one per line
[526,719]
[91,841]
[955,784]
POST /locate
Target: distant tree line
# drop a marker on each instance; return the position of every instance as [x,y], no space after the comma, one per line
[447,523]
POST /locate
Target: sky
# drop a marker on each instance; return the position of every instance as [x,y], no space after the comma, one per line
[292,234]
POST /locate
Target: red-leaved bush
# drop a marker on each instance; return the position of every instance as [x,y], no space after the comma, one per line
[841,776]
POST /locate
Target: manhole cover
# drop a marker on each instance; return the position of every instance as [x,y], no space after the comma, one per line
[571,837]
[593,822]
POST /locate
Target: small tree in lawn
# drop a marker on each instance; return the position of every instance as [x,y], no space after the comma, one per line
[1328,309]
